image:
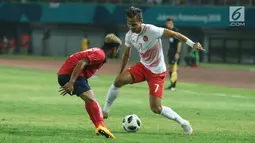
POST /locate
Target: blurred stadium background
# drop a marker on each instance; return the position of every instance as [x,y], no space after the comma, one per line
[56,27]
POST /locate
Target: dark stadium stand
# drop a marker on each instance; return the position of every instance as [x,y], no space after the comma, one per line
[150,2]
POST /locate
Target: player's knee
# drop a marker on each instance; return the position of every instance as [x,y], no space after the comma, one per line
[89,100]
[121,80]
[118,82]
[88,97]
[156,109]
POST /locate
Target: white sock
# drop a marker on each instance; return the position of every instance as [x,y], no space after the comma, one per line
[171,114]
[112,94]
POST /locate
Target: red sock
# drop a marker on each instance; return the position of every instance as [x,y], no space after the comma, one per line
[96,114]
[87,106]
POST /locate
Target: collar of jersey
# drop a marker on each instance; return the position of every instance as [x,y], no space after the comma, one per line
[143,25]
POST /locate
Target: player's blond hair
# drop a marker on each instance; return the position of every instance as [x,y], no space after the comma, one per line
[111,38]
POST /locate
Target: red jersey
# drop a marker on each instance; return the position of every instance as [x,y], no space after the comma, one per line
[24,41]
[96,58]
[12,43]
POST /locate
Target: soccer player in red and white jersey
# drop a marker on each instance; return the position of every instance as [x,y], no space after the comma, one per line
[73,75]
[146,39]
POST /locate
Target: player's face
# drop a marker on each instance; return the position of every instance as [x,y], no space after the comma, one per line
[170,24]
[113,53]
[134,25]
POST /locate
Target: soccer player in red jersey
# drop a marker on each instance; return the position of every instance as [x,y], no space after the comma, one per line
[73,75]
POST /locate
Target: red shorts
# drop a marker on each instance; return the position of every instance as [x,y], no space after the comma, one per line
[155,81]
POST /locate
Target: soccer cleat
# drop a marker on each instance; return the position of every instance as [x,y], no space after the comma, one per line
[173,89]
[187,128]
[104,132]
[170,88]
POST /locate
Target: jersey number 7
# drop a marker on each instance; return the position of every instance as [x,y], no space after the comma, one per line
[156,89]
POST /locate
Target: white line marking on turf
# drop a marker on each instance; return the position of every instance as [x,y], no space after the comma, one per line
[188,91]
[214,94]
[252,69]
[218,94]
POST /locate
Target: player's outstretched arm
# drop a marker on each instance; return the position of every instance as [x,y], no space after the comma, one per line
[183,38]
[125,58]
[68,87]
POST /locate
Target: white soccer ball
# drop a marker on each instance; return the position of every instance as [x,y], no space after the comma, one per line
[131,123]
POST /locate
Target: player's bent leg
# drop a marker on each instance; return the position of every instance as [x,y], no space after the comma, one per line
[155,104]
[89,98]
[123,79]
[92,107]
[156,85]
[134,74]
[156,107]
[113,92]
[95,113]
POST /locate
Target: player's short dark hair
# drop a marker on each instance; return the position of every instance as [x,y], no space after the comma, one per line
[132,12]
[169,19]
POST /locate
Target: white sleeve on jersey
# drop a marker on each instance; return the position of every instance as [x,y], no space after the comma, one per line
[127,39]
[155,31]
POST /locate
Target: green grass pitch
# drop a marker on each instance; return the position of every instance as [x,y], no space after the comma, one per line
[32,111]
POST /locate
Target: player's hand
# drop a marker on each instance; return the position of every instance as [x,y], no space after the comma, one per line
[177,56]
[67,88]
[198,46]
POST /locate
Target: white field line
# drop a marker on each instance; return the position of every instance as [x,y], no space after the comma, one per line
[215,94]
[252,69]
